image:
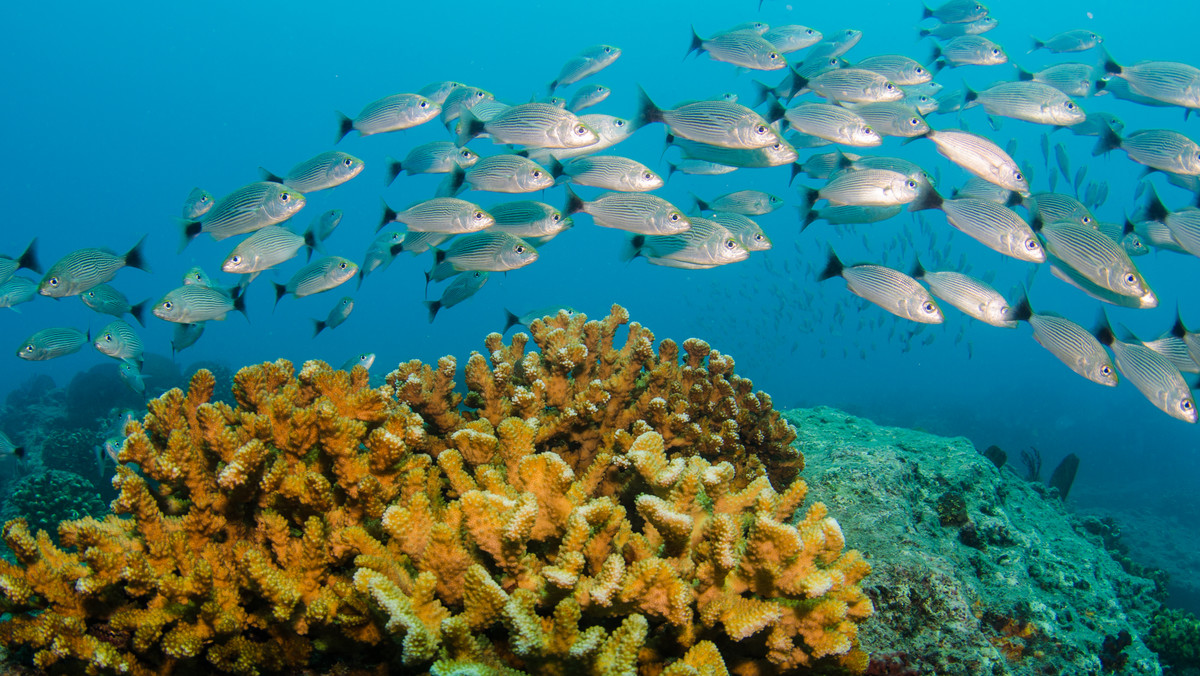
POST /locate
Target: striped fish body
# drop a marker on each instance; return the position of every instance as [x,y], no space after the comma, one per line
[323,225]
[972,296]
[980,157]
[850,215]
[185,336]
[1032,102]
[897,164]
[420,242]
[855,85]
[588,62]
[832,123]
[52,343]
[1053,207]
[198,203]
[448,215]
[1156,378]
[132,376]
[326,170]
[1068,41]
[838,43]
[973,50]
[527,218]
[1163,149]
[636,212]
[978,188]
[893,118]
[537,125]
[16,290]
[744,202]
[197,275]
[775,155]
[706,244]
[1072,79]
[870,188]
[720,123]
[508,174]
[1166,81]
[438,91]
[247,209]
[464,98]
[482,251]
[747,233]
[995,226]
[957,11]
[320,275]
[587,97]
[109,301]
[1176,351]
[1070,275]
[192,303]
[437,157]
[893,291]
[1159,236]
[1074,346]
[392,113]
[945,31]
[694,167]
[263,250]
[742,48]
[83,269]
[792,37]
[609,129]
[119,341]
[1121,89]
[381,252]
[897,69]
[1184,226]
[612,172]
[1098,259]
[821,166]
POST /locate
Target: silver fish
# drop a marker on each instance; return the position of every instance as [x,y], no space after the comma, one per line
[968,50]
[730,125]
[1029,101]
[512,319]
[498,173]
[611,172]
[322,227]
[892,118]
[537,125]
[897,69]
[890,289]
[463,98]
[106,300]
[1098,259]
[483,251]
[868,187]
[853,85]
[634,212]
[1167,81]
[435,157]
[978,188]
[193,303]
[83,269]
[52,343]
[846,215]
[1072,79]
[956,11]
[316,277]
[197,275]
[185,335]
[610,129]
[945,31]
[464,286]
[1072,344]
[391,113]
[1053,207]
[694,167]
[337,315]
[27,259]
[438,91]
[748,233]
[365,360]
[838,43]
[198,202]
[528,219]
[381,253]
[587,97]
[448,215]
[980,157]
[326,170]
[246,209]
[972,296]
[740,48]
[264,250]
[1184,224]
[832,123]
[1121,90]
[745,202]
[1162,149]
[132,376]
[1152,374]
[706,244]
[119,341]
[588,62]
[1078,40]
[792,37]
[994,225]
[16,290]
[775,155]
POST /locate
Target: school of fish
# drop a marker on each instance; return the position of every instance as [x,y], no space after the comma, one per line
[819,107]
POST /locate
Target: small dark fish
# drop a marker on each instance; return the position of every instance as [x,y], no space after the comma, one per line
[464,286]
[185,336]
[365,360]
[588,62]
[337,316]
[109,301]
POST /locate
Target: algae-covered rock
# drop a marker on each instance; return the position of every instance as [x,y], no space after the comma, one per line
[975,571]
[44,500]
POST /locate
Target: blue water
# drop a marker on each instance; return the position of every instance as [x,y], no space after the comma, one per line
[113,113]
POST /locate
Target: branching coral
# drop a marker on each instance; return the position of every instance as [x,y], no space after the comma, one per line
[595,510]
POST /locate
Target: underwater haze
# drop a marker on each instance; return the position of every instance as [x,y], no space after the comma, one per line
[114,113]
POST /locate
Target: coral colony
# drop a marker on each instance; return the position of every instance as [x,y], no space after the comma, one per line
[584,508]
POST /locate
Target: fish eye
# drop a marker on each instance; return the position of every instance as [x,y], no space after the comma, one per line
[777,146]
[537,174]
[758,238]
[675,216]
[608,50]
[1106,370]
[808,32]
[1130,278]
[914,121]
[423,104]
[889,86]
[348,162]
[911,183]
[618,123]
[730,244]
[108,337]
[54,281]
[647,175]
[555,217]
[284,197]
[760,129]
[1085,220]
[236,259]
[927,307]
[772,55]
[29,347]
[919,70]
[1017,175]
[519,248]
[167,305]
[1032,244]
[342,266]
[1070,106]
[995,52]
[479,215]
[1186,404]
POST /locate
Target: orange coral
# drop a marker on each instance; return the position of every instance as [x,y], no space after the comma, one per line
[596,510]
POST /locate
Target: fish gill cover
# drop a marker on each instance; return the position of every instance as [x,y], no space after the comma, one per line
[130,120]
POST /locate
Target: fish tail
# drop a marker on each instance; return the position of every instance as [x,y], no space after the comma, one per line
[775,111]
[701,205]
[345,126]
[318,326]
[362,274]
[923,33]
[1022,311]
[797,84]
[453,183]
[28,258]
[918,271]
[1103,330]
[139,311]
[554,167]
[1035,45]
[633,248]
[280,291]
[810,195]
[510,320]
[761,93]
[1036,222]
[394,167]
[928,199]
[189,232]
[1023,75]
[969,95]
[136,258]
[833,266]
[433,306]
[647,111]
[1155,209]
[925,12]
[697,43]
[268,176]
[574,203]
[797,169]
[389,215]
[238,295]
[671,169]
[311,241]
[1107,141]
[1110,66]
[1178,329]
[469,126]
[809,216]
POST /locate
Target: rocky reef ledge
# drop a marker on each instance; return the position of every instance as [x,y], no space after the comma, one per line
[974,569]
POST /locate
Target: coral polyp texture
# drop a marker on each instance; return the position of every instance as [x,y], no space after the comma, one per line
[580,509]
